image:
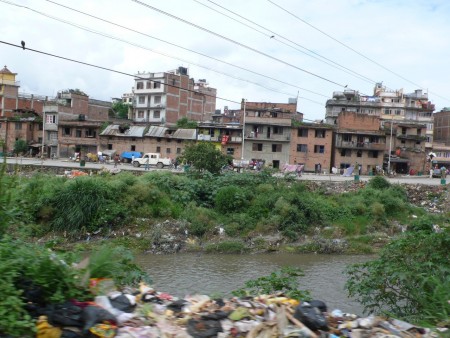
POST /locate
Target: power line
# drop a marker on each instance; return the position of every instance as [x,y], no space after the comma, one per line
[274,35]
[113,70]
[350,48]
[172,44]
[236,42]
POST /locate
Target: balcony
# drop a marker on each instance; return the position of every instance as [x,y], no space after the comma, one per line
[411,137]
[274,121]
[360,145]
[272,137]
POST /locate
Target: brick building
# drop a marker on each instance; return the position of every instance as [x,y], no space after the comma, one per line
[164,98]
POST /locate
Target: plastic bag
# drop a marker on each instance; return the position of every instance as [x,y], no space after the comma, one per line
[312,317]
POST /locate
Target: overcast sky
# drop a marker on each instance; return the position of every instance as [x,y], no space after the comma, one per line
[282,48]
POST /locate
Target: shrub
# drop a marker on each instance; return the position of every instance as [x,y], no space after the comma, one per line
[379,183]
[284,280]
[409,279]
[230,199]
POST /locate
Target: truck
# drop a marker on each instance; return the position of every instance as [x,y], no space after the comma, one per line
[153,159]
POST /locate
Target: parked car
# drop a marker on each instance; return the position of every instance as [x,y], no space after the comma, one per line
[154,159]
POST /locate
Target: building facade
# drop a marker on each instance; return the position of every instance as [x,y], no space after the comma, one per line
[164,98]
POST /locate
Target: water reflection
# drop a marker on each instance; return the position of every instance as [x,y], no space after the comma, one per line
[220,274]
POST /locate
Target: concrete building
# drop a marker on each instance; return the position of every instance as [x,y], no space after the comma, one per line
[441,139]
[412,116]
[164,98]
[312,145]
[358,140]
[267,131]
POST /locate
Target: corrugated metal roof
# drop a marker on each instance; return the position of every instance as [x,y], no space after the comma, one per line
[155,131]
[186,134]
[133,131]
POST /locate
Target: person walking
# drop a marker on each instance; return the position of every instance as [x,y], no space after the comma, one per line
[116,160]
[147,165]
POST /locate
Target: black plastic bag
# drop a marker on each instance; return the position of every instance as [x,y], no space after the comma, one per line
[312,317]
[122,303]
[65,314]
[319,304]
[203,328]
[95,314]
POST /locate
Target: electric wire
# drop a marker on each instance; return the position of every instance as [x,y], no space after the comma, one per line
[352,49]
[237,43]
[172,44]
[114,71]
[292,44]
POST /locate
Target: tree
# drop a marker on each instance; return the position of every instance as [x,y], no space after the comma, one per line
[120,109]
[20,147]
[185,123]
[410,279]
[204,156]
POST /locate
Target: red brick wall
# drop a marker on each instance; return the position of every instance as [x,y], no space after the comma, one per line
[355,121]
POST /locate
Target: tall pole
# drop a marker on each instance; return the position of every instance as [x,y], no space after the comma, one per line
[243,131]
[390,149]
[43,133]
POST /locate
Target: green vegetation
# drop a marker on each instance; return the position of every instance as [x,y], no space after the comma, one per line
[284,280]
[205,157]
[120,110]
[409,280]
[20,147]
[185,123]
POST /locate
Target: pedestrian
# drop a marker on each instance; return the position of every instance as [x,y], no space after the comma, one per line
[431,172]
[147,164]
[116,160]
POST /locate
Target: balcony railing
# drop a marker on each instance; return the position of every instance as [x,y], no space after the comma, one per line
[411,137]
[360,145]
[272,137]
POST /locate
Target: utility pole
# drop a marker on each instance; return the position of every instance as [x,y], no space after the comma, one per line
[390,150]
[243,130]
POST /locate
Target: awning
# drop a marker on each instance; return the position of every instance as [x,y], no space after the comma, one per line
[35,145]
[109,153]
[399,160]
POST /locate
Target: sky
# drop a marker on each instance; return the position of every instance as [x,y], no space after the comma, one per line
[258,50]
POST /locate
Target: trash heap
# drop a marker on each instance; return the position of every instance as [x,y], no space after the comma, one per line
[144,312]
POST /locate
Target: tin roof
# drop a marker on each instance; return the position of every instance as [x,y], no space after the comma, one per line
[133,131]
[156,131]
[186,134]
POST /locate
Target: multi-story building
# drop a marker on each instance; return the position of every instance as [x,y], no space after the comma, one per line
[312,146]
[441,139]
[73,123]
[267,131]
[164,98]
[411,111]
[358,140]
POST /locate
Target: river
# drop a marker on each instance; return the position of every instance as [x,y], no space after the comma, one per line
[209,274]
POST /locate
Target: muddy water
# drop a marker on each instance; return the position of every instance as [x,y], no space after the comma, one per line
[220,274]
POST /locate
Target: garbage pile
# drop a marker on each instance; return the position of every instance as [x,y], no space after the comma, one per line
[144,312]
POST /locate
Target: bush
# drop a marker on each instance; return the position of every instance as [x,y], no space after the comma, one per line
[230,199]
[409,279]
[285,280]
[230,247]
[379,183]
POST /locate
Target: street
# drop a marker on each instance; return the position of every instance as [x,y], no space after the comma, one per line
[66,163]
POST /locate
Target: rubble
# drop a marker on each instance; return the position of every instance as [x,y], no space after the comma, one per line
[148,313]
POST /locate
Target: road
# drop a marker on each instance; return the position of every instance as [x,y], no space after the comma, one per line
[66,163]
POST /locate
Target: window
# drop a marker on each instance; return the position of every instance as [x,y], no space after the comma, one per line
[157,99]
[50,119]
[30,127]
[347,137]
[158,139]
[398,112]
[148,85]
[110,146]
[141,99]
[230,151]
[53,135]
[90,133]
[302,148]
[156,84]
[319,149]
[419,131]
[372,154]
[178,141]
[78,133]
[178,150]
[18,125]
[66,132]
[320,133]
[140,85]
[387,111]
[140,114]
[133,147]
[0,125]
[40,126]
[169,140]
[168,151]
[346,153]
[158,149]
[302,132]
[277,130]
[276,148]
[257,147]
[156,114]
[359,153]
